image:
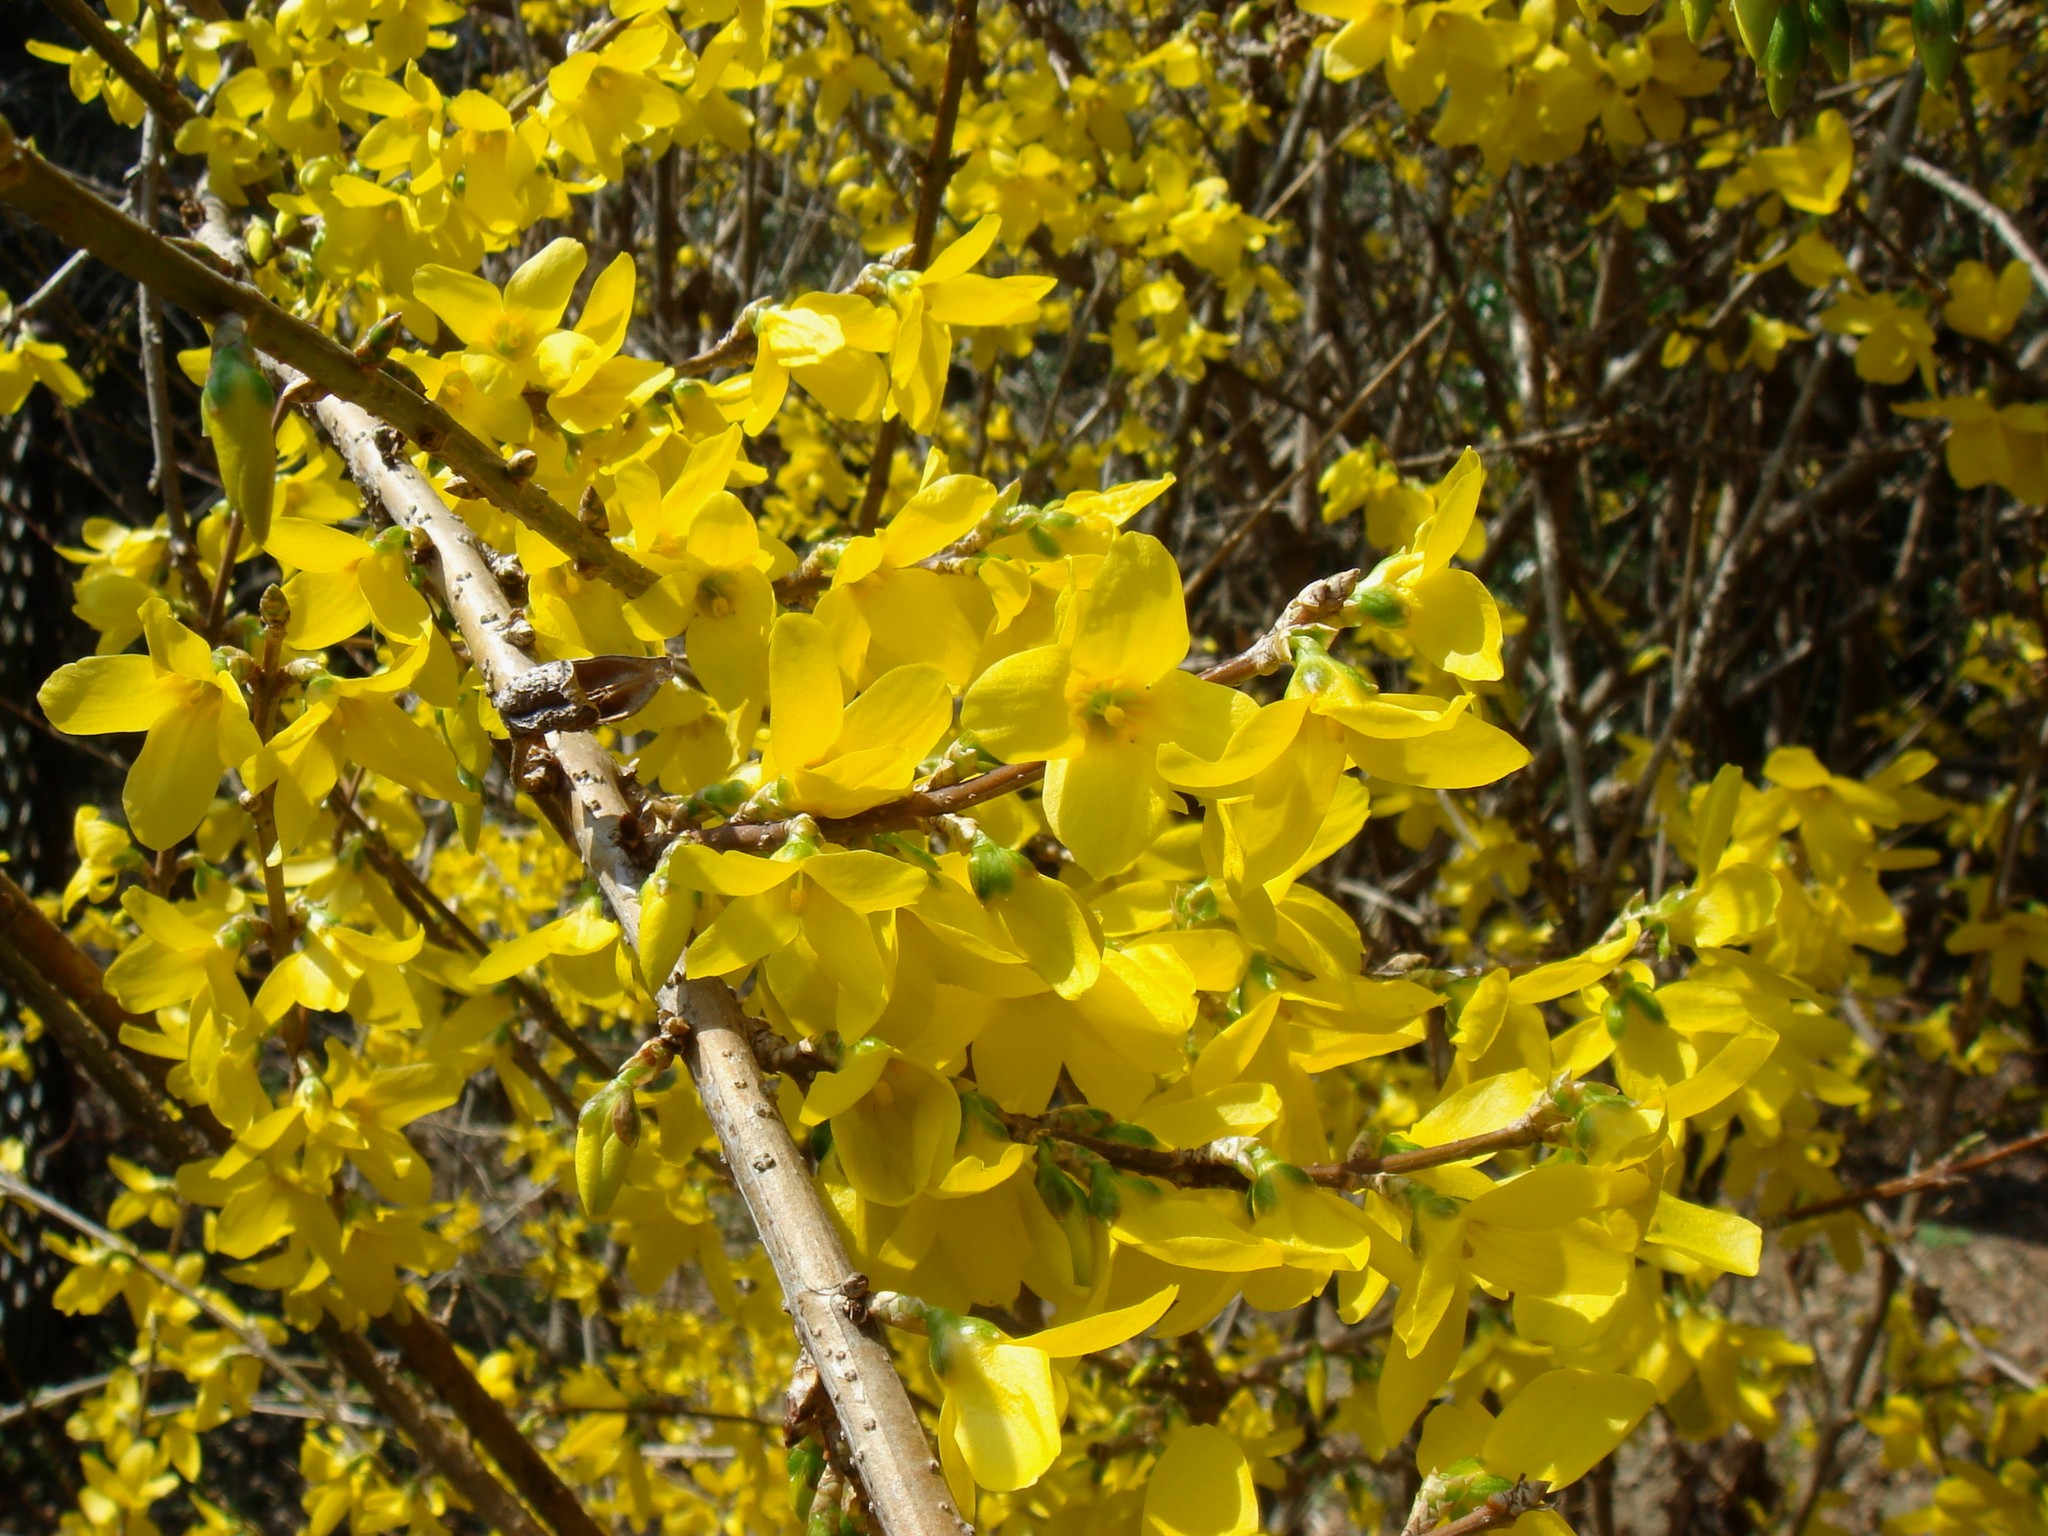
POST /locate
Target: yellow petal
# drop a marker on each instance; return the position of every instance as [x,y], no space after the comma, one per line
[805,699]
[962,254]
[539,291]
[1720,1239]
[173,778]
[1018,708]
[1133,624]
[1105,1330]
[105,693]
[1202,1486]
[1563,1423]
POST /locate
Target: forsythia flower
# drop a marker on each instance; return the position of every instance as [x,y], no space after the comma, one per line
[196,718]
[1099,705]
[1447,615]
[930,303]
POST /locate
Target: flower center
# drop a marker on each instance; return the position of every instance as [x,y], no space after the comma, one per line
[714,598]
[508,337]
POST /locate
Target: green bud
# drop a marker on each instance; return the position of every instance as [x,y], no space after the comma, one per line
[382,337]
[1753,22]
[1105,1194]
[1644,1001]
[1698,15]
[259,241]
[1827,24]
[1270,1174]
[1615,1016]
[1377,605]
[1060,1193]
[725,797]
[237,406]
[606,1130]
[1785,55]
[992,869]
[1938,37]
[805,1463]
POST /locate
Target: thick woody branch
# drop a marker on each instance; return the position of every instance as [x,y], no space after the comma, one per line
[37,189]
[895,1462]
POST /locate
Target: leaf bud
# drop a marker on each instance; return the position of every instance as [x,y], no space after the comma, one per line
[1785,55]
[1938,37]
[1753,22]
[1269,1173]
[804,1463]
[1827,24]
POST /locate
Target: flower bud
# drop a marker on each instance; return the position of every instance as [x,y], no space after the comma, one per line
[1938,37]
[606,1130]
[992,869]
[1698,13]
[1827,25]
[1785,55]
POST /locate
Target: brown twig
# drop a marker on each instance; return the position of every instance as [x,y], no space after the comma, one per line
[1951,1170]
[963,46]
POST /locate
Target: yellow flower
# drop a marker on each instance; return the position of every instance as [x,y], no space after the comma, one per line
[827,342]
[603,386]
[930,303]
[1099,705]
[2013,939]
[1000,1423]
[823,920]
[1895,338]
[842,758]
[1987,306]
[884,609]
[355,720]
[600,100]
[1446,615]
[196,718]
[1993,445]
[510,338]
